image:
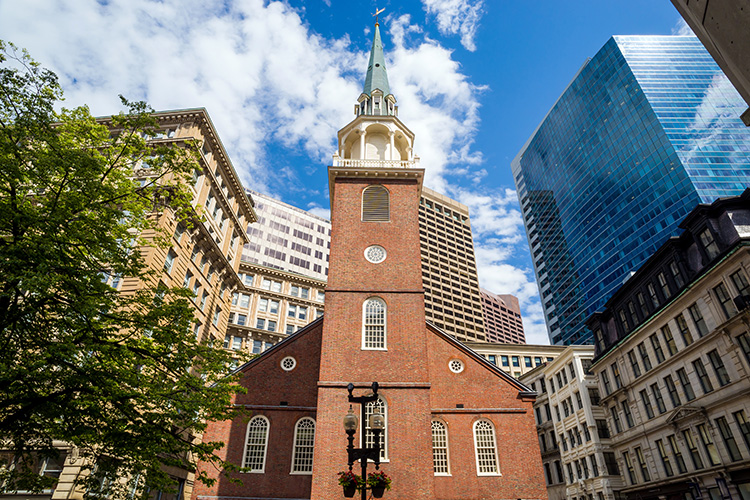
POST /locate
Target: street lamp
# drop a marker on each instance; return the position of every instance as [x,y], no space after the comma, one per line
[376,423]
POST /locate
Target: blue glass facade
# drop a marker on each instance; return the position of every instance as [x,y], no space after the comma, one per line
[648,129]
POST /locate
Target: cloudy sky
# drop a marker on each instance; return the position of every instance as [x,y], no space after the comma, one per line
[473,79]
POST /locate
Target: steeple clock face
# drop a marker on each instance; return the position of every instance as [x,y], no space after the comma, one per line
[375,254]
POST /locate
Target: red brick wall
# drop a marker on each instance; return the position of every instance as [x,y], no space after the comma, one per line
[267,386]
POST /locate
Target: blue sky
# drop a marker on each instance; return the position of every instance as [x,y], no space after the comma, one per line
[473,79]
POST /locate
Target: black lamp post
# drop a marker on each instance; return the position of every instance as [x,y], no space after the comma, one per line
[376,423]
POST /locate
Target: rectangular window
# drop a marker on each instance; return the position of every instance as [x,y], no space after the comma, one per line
[624,321]
[504,360]
[743,341]
[169,262]
[664,458]
[217,315]
[664,285]
[616,419]
[634,364]
[260,324]
[236,343]
[700,370]
[740,283]
[673,395]
[656,344]
[601,429]
[605,383]
[725,301]
[579,402]
[647,404]
[263,305]
[642,464]
[291,311]
[241,319]
[644,357]
[744,425]
[289,329]
[666,334]
[697,316]
[642,304]
[611,463]
[687,337]
[677,454]
[516,361]
[707,239]
[527,361]
[594,396]
[687,387]
[257,346]
[658,399]
[273,306]
[271,326]
[629,467]
[627,413]
[616,375]
[708,445]
[186,281]
[719,368]
[676,274]
[652,295]
[729,442]
[244,300]
[693,449]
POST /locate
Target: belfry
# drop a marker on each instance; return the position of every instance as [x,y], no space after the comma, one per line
[456,426]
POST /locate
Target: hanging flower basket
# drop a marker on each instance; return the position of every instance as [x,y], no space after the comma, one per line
[350,481]
[378,482]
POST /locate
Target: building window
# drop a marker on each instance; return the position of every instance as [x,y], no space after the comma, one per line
[673,395]
[694,455]
[629,467]
[664,285]
[666,334]
[616,375]
[375,204]
[634,364]
[642,304]
[687,337]
[740,283]
[644,357]
[744,425]
[664,458]
[304,444]
[719,368]
[642,464]
[256,444]
[652,295]
[700,370]
[369,433]
[374,324]
[605,383]
[647,404]
[729,442]
[440,449]
[708,445]
[676,274]
[627,413]
[486,451]
[658,399]
[697,316]
[707,240]
[687,387]
[169,262]
[656,344]
[616,419]
[725,301]
[677,454]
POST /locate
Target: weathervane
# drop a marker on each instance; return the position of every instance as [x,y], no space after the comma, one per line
[377,13]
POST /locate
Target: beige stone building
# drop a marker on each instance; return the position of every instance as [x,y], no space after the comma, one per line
[516,359]
[673,362]
[271,305]
[579,431]
[204,258]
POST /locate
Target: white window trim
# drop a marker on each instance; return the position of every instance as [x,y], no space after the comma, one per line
[294,445]
[447,448]
[476,449]
[265,445]
[385,458]
[385,324]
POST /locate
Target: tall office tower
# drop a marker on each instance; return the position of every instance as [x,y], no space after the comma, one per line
[288,238]
[449,271]
[648,128]
[502,318]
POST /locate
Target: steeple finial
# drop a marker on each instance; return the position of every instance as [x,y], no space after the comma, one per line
[377,13]
[377,78]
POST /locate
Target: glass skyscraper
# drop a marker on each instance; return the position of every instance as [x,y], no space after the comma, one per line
[648,128]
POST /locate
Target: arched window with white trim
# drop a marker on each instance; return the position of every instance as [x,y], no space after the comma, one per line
[256,444]
[369,434]
[376,204]
[304,444]
[486,448]
[440,462]
[373,324]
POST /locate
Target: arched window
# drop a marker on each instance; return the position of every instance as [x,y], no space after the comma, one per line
[376,205]
[304,443]
[256,444]
[369,434]
[373,324]
[486,449]
[440,448]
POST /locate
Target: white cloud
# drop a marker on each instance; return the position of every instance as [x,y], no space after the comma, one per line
[682,28]
[457,17]
[319,211]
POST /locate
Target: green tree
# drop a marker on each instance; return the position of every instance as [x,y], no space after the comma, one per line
[118,376]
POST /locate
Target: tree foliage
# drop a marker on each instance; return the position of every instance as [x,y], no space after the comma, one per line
[119,377]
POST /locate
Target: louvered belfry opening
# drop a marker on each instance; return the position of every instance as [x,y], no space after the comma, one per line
[376,204]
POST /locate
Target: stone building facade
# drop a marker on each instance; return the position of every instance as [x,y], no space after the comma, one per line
[673,362]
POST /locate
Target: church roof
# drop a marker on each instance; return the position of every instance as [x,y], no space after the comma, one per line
[377,77]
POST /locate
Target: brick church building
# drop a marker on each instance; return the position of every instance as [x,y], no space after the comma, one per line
[456,427]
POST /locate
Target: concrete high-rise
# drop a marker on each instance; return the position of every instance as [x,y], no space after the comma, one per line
[648,128]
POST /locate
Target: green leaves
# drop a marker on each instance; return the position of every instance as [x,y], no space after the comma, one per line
[116,378]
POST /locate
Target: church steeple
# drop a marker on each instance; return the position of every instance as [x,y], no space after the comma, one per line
[377,76]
